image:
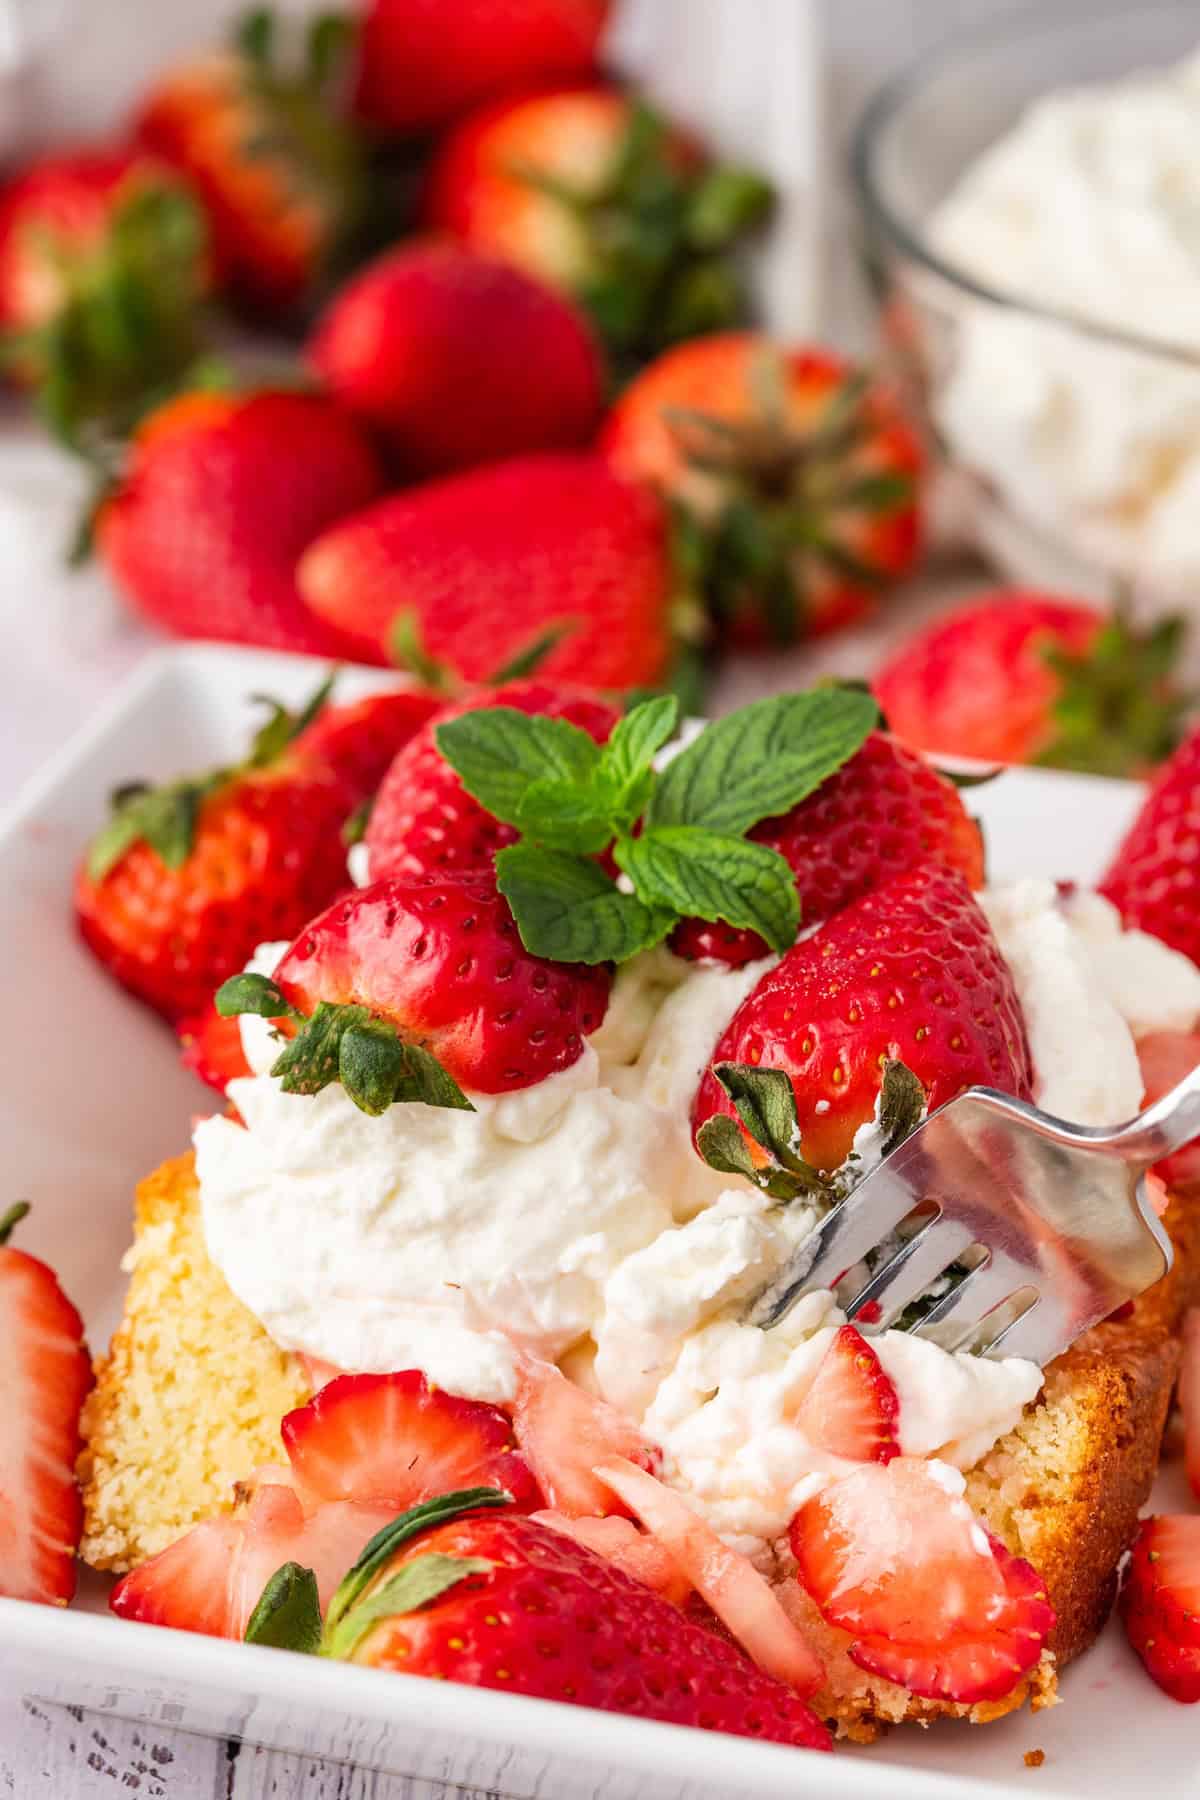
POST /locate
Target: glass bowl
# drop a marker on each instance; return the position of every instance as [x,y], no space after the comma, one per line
[1068,451]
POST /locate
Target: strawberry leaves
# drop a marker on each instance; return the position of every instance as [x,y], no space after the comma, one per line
[346,1044]
[678,836]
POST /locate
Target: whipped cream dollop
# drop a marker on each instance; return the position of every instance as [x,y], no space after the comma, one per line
[1089,206]
[575,1219]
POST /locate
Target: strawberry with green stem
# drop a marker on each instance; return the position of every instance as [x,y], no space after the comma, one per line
[794,478]
[593,191]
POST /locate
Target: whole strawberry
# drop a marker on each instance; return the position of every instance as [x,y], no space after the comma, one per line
[1017,677]
[221,494]
[881,813]
[590,190]
[425,822]
[185,881]
[422,61]
[799,477]
[465,1590]
[911,974]
[279,172]
[1152,878]
[47,1375]
[483,561]
[103,267]
[454,358]
[403,984]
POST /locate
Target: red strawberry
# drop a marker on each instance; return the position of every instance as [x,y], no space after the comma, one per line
[564,1433]
[441,961]
[456,359]
[47,1375]
[221,494]
[590,190]
[1152,878]
[896,1558]
[212,1049]
[486,560]
[852,1408]
[619,1541]
[1165,1057]
[799,476]
[881,813]
[909,972]
[534,1613]
[278,171]
[210,1580]
[424,821]
[186,881]
[1160,1603]
[395,1440]
[422,61]
[102,268]
[1016,677]
[359,742]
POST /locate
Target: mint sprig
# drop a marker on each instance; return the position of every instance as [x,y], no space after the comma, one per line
[346,1044]
[678,837]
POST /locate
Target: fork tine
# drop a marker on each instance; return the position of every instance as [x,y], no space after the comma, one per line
[911,1270]
[965,1306]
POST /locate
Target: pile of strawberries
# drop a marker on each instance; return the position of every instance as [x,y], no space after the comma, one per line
[525,396]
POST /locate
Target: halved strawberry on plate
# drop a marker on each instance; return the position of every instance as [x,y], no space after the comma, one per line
[1160,1603]
[45,1380]
[893,1555]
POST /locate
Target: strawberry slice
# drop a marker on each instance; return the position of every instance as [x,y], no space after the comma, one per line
[45,1380]
[564,1433]
[186,1585]
[619,1542]
[893,1554]
[396,1439]
[1165,1058]
[211,1047]
[852,1409]
[1160,1603]
[743,1601]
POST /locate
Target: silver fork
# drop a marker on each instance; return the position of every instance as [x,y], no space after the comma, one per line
[1051,1220]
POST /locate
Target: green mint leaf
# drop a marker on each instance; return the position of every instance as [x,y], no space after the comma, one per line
[256,994]
[371,1065]
[568,815]
[426,1081]
[700,874]
[902,1104]
[376,1553]
[567,909]
[418,1584]
[288,1613]
[530,659]
[628,756]
[762,760]
[498,752]
[766,1104]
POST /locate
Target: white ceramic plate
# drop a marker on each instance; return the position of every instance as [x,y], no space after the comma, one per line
[92,1097]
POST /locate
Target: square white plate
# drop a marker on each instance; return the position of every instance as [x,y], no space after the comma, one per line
[92,1097]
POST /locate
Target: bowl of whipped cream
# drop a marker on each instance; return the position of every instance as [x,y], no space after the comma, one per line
[1031,203]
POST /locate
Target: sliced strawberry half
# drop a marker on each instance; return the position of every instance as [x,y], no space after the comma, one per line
[398,1440]
[619,1541]
[893,1554]
[45,1374]
[186,1585]
[852,1409]
[743,1601]
[1166,1057]
[564,1433]
[1160,1603]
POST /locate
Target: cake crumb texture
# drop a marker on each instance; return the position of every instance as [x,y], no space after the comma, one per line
[188,1399]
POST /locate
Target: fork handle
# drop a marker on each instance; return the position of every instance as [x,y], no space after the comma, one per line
[1164,1127]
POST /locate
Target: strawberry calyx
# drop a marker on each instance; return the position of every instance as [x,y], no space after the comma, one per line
[660,229]
[166,817]
[347,1044]
[12,1218]
[407,649]
[765,1102]
[288,1614]
[781,489]
[1118,710]
[677,835]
